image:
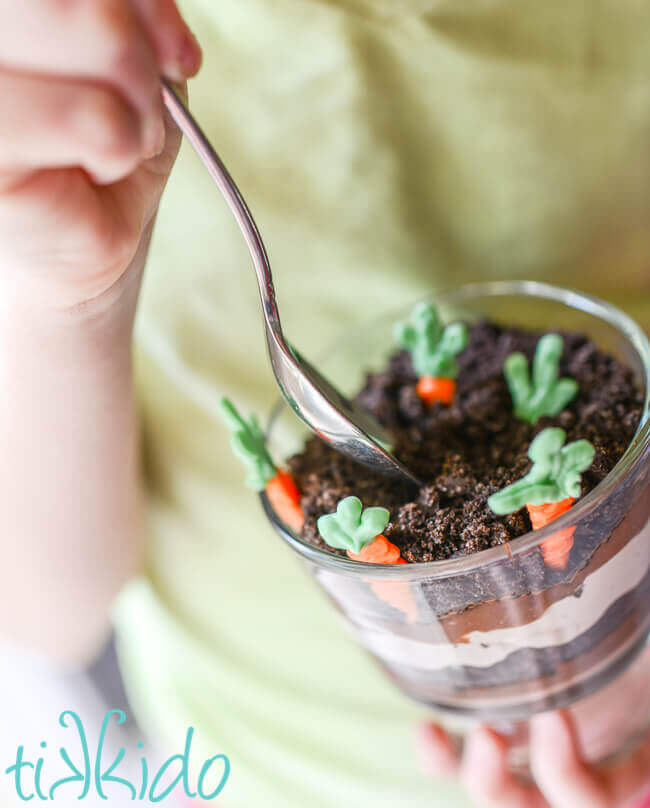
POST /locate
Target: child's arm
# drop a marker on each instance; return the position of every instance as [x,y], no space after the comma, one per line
[79,186]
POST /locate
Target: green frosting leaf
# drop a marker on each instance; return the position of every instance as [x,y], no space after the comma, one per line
[433,348]
[352,527]
[544,394]
[249,445]
[555,474]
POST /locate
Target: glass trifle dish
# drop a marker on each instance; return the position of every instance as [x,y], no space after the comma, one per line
[516,579]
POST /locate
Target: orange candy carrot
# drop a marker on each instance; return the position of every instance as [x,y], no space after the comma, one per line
[249,445]
[285,499]
[353,527]
[379,551]
[436,388]
[557,547]
[395,593]
[554,483]
[542,515]
[433,349]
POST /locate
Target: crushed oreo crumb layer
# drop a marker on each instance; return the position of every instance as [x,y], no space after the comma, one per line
[469,450]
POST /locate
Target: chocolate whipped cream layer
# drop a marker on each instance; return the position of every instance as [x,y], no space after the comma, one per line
[467,451]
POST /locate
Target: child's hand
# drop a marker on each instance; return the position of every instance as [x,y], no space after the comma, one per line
[563,780]
[83,150]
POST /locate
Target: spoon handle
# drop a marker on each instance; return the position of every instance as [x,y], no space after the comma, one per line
[230,192]
[325,411]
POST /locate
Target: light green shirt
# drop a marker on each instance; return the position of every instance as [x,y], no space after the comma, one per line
[386,147]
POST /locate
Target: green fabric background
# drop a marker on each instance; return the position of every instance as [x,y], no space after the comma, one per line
[386,147]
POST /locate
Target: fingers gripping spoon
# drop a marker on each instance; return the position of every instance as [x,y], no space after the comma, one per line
[335,419]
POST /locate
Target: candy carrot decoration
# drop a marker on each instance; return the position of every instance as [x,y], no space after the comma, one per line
[433,350]
[358,530]
[285,499]
[549,489]
[249,445]
[544,393]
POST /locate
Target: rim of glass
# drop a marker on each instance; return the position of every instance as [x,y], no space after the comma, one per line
[462,564]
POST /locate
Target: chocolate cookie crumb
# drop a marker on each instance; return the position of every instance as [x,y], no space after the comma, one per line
[469,450]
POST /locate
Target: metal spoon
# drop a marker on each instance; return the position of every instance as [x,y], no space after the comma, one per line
[335,419]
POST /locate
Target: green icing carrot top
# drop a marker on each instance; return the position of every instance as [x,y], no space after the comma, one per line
[249,445]
[555,474]
[544,393]
[433,347]
[352,527]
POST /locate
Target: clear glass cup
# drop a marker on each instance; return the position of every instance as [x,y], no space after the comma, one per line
[497,636]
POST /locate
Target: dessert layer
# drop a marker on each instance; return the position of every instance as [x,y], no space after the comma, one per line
[594,547]
[559,624]
[529,670]
[555,685]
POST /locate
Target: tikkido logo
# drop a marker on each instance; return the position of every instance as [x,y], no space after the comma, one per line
[88,772]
